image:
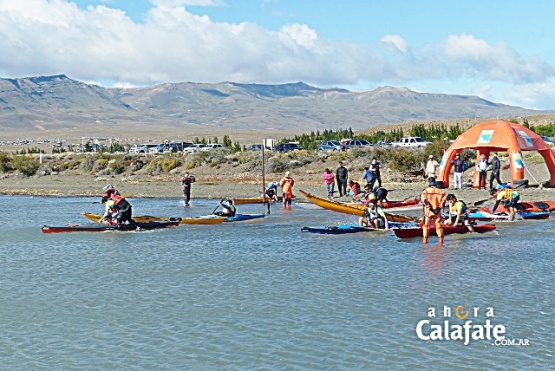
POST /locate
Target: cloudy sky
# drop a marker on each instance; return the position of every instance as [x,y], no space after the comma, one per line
[499,50]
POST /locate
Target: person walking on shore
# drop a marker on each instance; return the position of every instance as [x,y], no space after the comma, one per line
[341,176]
[495,171]
[431,168]
[482,168]
[329,180]
[375,170]
[286,183]
[369,177]
[458,169]
[186,182]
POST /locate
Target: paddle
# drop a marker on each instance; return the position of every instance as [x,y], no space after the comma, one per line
[213,211]
[481,202]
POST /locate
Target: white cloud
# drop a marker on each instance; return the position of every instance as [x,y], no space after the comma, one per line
[395,43]
[41,37]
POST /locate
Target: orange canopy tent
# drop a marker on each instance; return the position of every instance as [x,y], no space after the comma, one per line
[493,136]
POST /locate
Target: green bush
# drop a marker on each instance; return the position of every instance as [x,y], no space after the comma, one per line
[6,162]
[26,165]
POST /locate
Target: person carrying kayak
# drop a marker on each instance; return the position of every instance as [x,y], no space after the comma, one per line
[458,209]
[510,199]
[123,207]
[433,200]
[228,208]
[374,216]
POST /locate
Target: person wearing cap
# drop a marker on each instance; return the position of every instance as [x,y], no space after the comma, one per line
[271,191]
[459,167]
[228,208]
[341,176]
[286,183]
[482,168]
[495,171]
[186,182]
[329,179]
[431,168]
[123,207]
[433,200]
[458,210]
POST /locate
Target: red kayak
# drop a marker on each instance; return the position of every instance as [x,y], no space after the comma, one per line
[447,229]
[530,206]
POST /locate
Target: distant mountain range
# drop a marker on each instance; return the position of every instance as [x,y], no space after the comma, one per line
[60,103]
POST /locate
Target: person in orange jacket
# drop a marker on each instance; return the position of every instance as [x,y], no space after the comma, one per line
[433,200]
[286,183]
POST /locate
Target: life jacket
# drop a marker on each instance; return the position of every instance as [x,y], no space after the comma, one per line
[507,194]
[459,205]
[117,198]
[287,184]
[433,199]
[375,213]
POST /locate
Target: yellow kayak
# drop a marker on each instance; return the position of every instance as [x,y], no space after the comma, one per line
[351,209]
[252,200]
[208,219]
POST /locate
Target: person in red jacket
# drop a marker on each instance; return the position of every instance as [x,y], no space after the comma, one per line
[125,211]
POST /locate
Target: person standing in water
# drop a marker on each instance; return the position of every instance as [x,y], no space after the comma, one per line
[286,183]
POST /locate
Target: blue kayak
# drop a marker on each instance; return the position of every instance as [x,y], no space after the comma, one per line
[354,228]
[482,215]
[241,217]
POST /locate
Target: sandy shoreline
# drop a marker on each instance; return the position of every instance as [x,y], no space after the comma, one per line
[169,187]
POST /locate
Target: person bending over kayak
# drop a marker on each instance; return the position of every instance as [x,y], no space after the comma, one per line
[271,191]
[381,194]
[123,207]
[354,189]
[228,209]
[510,199]
[110,213]
[433,200]
[457,209]
[374,216]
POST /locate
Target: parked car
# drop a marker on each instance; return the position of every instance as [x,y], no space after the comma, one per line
[142,148]
[354,143]
[548,140]
[330,145]
[211,146]
[194,148]
[286,147]
[257,147]
[411,142]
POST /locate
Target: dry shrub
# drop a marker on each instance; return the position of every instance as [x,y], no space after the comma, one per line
[27,165]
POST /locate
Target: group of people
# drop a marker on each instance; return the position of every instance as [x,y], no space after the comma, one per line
[434,200]
[459,167]
[118,210]
[350,187]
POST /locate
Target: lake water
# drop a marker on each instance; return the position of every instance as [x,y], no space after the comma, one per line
[261,294]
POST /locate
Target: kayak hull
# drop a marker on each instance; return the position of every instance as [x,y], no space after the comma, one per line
[243,217]
[353,228]
[485,215]
[208,219]
[447,229]
[107,227]
[356,209]
[253,200]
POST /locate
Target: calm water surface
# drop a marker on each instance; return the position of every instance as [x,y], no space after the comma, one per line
[261,294]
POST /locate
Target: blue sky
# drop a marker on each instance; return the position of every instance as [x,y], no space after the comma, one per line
[499,50]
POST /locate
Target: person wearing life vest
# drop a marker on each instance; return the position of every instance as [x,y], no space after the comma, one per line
[381,194]
[123,207]
[368,196]
[458,210]
[510,199]
[433,200]
[286,184]
[271,191]
[374,216]
[110,213]
[228,208]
